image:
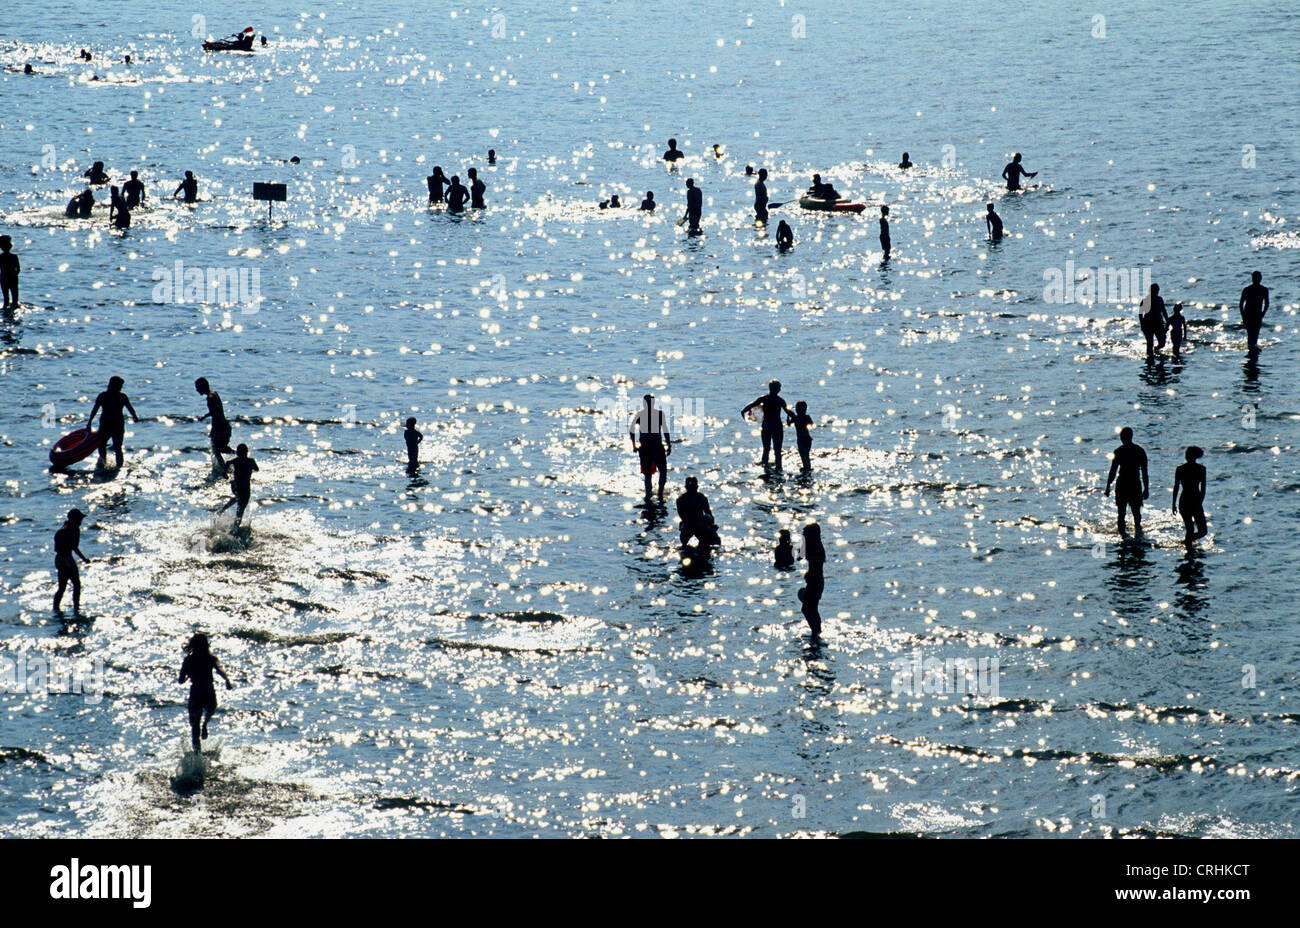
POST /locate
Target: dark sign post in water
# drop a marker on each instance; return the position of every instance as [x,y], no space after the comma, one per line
[271,193]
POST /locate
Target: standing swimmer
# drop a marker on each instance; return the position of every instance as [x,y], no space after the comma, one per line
[9,271]
[694,206]
[884,230]
[188,186]
[697,517]
[673,154]
[1014,171]
[994,223]
[112,421]
[437,182]
[784,236]
[119,214]
[1191,477]
[905,163]
[1177,329]
[760,196]
[783,553]
[1155,323]
[648,204]
[134,191]
[476,189]
[67,542]
[773,425]
[1252,306]
[650,425]
[814,580]
[803,438]
[413,439]
[242,482]
[197,667]
[1130,462]
[220,424]
[95,174]
[456,195]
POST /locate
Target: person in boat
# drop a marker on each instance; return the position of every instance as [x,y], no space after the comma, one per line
[994,223]
[760,196]
[80,205]
[220,434]
[457,194]
[67,542]
[437,182]
[648,204]
[1014,171]
[814,580]
[1129,463]
[694,206]
[905,163]
[9,271]
[118,212]
[112,421]
[673,154]
[696,517]
[197,667]
[95,175]
[823,191]
[1252,306]
[784,236]
[189,186]
[476,189]
[1154,321]
[241,484]
[133,191]
[884,230]
[783,553]
[650,426]
[1190,477]
[775,412]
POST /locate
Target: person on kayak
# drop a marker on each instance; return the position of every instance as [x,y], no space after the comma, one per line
[1130,463]
[189,186]
[650,425]
[905,163]
[67,542]
[994,223]
[694,205]
[1014,171]
[884,230]
[648,204]
[133,190]
[112,420]
[220,424]
[673,154]
[241,485]
[1252,305]
[775,412]
[760,196]
[9,271]
[118,214]
[197,667]
[784,236]
[437,182]
[95,174]
[476,189]
[823,191]
[456,195]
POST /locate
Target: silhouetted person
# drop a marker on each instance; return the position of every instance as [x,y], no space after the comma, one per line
[457,194]
[1129,462]
[749,170]
[197,667]
[241,484]
[775,412]
[95,174]
[814,581]
[1190,477]
[905,163]
[85,55]
[67,542]
[994,223]
[127,60]
[220,424]
[189,186]
[823,190]
[79,206]
[696,516]
[492,156]
[1252,306]
[784,236]
[650,427]
[476,189]
[1177,330]
[1155,323]
[1014,171]
[10,268]
[413,439]
[28,69]
[112,420]
[803,437]
[133,191]
[673,154]
[760,196]
[612,203]
[437,182]
[118,213]
[783,553]
[884,230]
[718,153]
[694,206]
[648,204]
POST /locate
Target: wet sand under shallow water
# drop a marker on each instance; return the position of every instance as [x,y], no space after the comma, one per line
[504,644]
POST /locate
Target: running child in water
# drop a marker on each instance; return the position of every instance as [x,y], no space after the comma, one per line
[242,482]
[197,667]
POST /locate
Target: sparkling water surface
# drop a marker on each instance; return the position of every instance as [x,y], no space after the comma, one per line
[508,643]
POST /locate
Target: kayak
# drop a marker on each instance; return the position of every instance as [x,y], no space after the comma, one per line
[74,447]
[839,206]
[241,42]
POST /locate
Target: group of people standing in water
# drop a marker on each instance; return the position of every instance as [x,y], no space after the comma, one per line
[122,201]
